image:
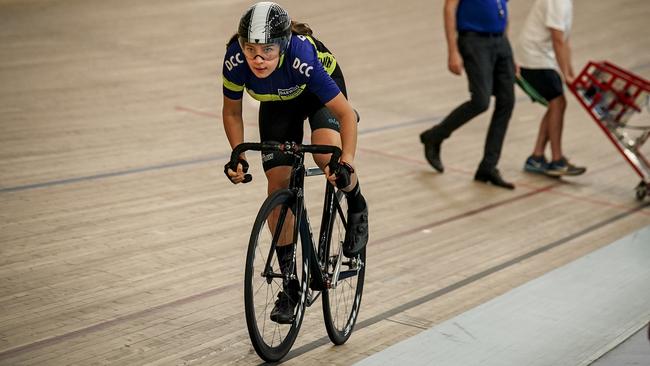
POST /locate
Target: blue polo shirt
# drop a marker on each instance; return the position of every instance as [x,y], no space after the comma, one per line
[485,16]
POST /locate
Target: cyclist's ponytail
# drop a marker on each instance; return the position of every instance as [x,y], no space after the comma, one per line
[302,29]
[232,40]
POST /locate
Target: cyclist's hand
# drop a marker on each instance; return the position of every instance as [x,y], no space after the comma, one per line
[341,175]
[237,174]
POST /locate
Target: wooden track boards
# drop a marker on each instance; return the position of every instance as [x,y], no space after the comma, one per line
[122,242]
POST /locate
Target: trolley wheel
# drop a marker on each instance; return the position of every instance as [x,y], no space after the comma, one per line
[641,191]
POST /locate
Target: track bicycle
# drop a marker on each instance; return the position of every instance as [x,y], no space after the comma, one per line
[319,266]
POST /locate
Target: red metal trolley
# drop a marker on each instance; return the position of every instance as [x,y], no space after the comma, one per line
[619,102]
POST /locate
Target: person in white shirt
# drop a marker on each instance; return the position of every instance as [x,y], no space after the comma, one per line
[544,56]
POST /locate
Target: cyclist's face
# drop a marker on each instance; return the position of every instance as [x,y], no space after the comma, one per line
[262,58]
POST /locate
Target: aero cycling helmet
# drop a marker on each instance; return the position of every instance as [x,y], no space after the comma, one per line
[265,22]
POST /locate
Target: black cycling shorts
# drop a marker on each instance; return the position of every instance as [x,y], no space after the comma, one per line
[547,82]
[282,121]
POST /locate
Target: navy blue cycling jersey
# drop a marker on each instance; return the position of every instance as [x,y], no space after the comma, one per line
[306,65]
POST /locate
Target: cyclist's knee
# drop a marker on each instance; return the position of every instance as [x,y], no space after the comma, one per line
[324,136]
[322,160]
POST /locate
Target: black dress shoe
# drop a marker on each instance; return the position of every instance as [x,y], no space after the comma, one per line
[493,176]
[432,149]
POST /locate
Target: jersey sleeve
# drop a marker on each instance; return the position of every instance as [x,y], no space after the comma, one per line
[233,74]
[322,84]
[305,61]
[556,14]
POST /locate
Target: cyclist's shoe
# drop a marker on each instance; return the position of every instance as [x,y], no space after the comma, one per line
[536,164]
[356,235]
[432,144]
[562,167]
[282,312]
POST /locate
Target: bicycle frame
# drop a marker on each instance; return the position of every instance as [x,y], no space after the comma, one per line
[316,266]
[315,256]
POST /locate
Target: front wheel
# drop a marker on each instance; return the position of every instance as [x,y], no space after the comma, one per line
[264,280]
[342,301]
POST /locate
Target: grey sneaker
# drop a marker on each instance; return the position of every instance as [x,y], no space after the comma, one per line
[536,164]
[562,167]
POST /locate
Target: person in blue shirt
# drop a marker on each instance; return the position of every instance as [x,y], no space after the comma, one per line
[477,42]
[295,77]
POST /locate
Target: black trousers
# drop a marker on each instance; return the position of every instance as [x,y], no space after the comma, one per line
[490,71]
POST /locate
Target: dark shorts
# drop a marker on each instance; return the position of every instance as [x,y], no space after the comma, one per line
[282,121]
[547,82]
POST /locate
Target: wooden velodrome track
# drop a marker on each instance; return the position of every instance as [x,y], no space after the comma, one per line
[122,242]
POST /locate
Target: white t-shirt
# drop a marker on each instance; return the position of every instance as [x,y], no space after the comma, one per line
[535,49]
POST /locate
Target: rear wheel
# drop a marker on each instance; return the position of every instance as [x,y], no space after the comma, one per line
[342,301]
[263,279]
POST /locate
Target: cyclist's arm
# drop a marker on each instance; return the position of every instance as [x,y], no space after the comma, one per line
[233,123]
[345,114]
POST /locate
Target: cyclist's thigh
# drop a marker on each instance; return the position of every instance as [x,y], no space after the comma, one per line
[324,131]
[323,118]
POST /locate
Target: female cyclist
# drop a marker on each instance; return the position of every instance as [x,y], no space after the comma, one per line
[294,76]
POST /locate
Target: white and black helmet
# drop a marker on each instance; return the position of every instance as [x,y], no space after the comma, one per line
[265,22]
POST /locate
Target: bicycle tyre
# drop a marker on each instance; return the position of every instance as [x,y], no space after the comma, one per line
[341,304]
[271,340]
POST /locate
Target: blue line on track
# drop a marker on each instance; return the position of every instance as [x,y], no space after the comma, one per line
[114,174]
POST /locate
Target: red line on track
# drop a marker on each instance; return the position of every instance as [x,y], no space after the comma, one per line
[206,114]
[194,111]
